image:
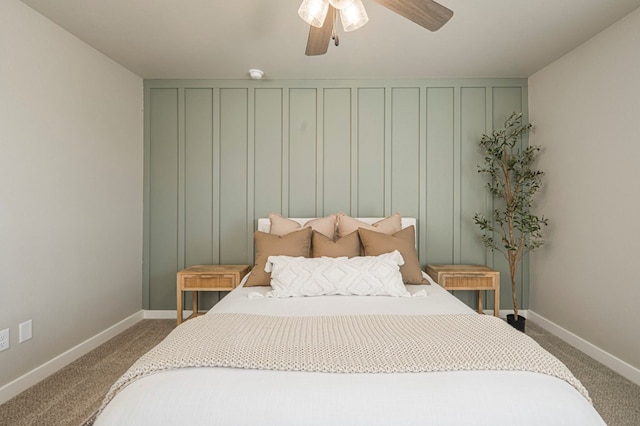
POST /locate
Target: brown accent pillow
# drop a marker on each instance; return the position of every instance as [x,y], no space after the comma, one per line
[389,225]
[376,243]
[347,246]
[295,244]
[282,226]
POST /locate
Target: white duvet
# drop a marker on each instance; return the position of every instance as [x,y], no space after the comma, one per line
[227,396]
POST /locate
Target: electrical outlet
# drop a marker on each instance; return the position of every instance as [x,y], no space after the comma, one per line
[4,339]
[25,331]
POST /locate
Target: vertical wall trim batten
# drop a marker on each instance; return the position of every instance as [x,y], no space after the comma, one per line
[286,141]
[146,234]
[213,236]
[215,217]
[524,268]
[181,177]
[457,170]
[355,143]
[319,175]
[388,101]
[251,147]
[284,137]
[422,173]
[489,254]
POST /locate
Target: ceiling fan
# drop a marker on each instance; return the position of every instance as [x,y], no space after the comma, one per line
[322,15]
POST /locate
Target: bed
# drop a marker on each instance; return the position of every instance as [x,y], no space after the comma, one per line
[274,383]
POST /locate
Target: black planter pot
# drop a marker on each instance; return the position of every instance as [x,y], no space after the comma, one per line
[518,324]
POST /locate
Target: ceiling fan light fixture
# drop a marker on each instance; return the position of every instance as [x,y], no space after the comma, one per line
[353,16]
[341,4]
[314,12]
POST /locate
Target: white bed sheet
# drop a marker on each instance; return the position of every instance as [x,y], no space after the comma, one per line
[426,300]
[227,396]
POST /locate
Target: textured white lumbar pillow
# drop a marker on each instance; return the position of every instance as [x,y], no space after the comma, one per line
[362,276]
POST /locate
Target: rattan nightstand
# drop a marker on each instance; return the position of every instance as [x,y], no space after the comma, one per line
[468,277]
[207,278]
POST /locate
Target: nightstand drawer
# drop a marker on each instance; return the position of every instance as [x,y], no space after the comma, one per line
[209,281]
[476,281]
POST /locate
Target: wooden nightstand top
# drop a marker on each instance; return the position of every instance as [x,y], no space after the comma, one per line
[212,269]
[460,269]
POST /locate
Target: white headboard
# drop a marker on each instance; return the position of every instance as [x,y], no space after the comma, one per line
[264,224]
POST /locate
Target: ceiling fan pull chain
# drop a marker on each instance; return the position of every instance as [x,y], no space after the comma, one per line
[335,37]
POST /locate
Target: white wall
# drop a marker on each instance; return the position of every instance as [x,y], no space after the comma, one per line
[586,111]
[71,168]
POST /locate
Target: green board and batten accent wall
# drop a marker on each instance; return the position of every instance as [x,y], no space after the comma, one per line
[221,153]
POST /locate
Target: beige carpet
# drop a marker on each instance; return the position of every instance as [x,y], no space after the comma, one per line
[73,394]
[616,398]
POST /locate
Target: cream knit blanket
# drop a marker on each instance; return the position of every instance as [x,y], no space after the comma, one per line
[348,344]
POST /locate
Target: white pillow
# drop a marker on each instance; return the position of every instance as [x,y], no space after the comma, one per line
[361,276]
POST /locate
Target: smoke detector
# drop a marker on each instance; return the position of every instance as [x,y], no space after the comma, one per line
[256,74]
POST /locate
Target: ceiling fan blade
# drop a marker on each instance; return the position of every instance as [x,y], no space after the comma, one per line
[318,41]
[426,13]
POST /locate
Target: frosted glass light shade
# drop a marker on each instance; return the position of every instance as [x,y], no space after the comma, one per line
[353,16]
[341,4]
[314,12]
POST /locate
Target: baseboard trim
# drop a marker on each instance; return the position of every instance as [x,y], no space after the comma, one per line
[619,366]
[34,376]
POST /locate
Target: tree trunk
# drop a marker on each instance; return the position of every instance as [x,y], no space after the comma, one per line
[513,269]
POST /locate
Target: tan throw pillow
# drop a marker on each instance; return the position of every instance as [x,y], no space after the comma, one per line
[376,243]
[294,244]
[389,225]
[282,226]
[347,246]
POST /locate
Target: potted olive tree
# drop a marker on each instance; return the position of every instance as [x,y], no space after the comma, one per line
[512,229]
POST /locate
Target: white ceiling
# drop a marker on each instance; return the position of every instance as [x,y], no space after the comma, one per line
[224,39]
